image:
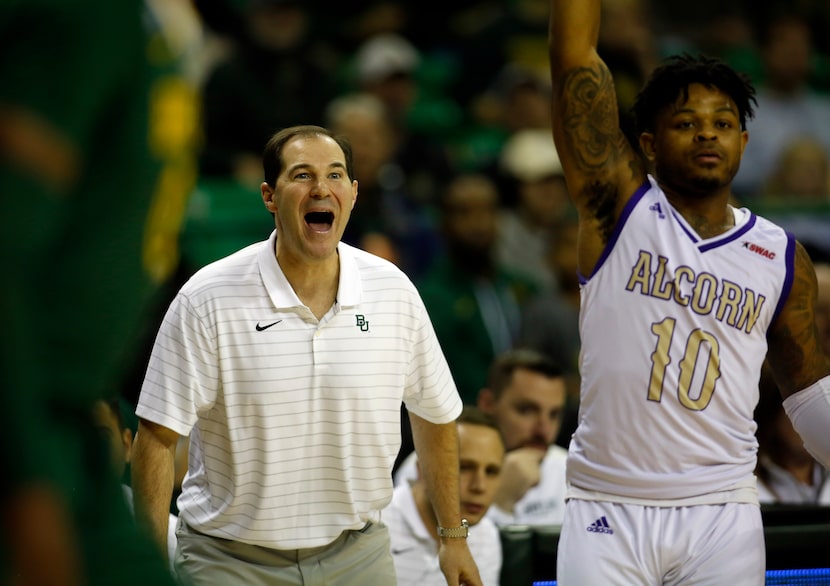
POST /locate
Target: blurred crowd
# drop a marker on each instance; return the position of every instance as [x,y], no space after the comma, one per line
[459,182]
[448,111]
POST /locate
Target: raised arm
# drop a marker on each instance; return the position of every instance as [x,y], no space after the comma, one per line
[602,170]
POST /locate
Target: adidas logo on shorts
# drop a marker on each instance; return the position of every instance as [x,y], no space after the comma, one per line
[600,526]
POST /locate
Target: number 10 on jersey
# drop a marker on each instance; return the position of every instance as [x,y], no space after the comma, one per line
[702,351]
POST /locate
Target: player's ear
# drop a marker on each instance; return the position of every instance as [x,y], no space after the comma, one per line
[268,197]
[647,145]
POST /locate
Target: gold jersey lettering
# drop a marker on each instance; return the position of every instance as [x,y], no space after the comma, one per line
[703,293]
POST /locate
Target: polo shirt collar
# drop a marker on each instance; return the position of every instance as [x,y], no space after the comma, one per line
[282,294]
[349,289]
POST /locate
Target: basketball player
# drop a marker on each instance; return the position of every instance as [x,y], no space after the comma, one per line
[682,298]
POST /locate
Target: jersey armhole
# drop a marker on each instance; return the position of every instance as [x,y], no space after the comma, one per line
[618,227]
[789,265]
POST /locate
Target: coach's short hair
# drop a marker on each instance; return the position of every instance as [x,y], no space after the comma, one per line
[272,154]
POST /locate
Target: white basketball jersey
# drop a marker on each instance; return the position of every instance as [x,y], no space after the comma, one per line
[673,334]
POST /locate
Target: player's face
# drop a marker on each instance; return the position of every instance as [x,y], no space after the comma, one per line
[312,200]
[529,410]
[481,453]
[697,143]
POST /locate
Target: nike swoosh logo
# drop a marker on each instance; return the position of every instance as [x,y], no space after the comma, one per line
[401,550]
[260,328]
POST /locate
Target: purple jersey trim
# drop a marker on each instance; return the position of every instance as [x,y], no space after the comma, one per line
[629,207]
[738,233]
[788,280]
[692,236]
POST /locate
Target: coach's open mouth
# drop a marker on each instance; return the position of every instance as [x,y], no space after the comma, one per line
[319,221]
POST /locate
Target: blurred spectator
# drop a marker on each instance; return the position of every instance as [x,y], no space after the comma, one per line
[376,17]
[387,66]
[276,75]
[523,96]
[473,300]
[787,106]
[411,520]
[786,472]
[797,194]
[386,221]
[350,24]
[525,394]
[550,321]
[823,303]
[629,48]
[187,37]
[110,418]
[801,173]
[529,159]
[517,98]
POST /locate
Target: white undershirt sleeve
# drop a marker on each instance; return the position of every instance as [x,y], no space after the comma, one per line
[809,411]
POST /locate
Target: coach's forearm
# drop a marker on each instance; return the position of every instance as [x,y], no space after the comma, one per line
[152,478]
[437,449]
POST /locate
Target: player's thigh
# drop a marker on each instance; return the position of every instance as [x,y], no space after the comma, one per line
[726,545]
[605,543]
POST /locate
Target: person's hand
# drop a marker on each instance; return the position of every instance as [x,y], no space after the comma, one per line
[457,563]
[521,471]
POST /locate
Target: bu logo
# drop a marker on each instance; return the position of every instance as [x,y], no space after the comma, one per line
[655,207]
[360,321]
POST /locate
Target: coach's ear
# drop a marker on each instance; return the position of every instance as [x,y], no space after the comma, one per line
[647,145]
[268,197]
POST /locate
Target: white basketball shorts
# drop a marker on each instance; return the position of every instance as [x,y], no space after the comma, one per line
[623,544]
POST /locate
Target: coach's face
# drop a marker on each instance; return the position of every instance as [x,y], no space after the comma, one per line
[312,200]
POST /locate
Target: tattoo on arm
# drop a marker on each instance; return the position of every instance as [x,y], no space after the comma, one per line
[590,117]
[794,353]
[590,124]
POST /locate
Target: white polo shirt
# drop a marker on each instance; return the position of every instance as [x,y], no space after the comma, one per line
[415,552]
[294,423]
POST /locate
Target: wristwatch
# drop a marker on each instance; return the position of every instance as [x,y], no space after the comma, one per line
[462,531]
